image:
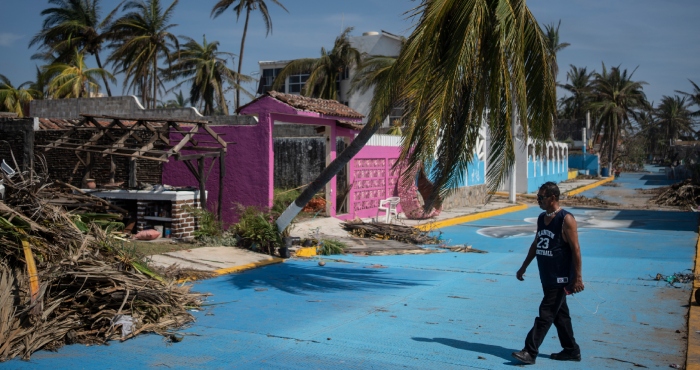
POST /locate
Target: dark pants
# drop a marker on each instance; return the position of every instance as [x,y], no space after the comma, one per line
[553,310]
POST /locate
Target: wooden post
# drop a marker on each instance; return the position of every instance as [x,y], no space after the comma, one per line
[88,167]
[202,184]
[222,174]
[112,170]
[132,173]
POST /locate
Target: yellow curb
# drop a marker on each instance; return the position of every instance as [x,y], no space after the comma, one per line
[692,360]
[231,270]
[589,186]
[470,218]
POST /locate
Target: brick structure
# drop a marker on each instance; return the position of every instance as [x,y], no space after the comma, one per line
[173,206]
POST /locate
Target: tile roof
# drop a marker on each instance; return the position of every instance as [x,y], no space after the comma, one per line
[322,106]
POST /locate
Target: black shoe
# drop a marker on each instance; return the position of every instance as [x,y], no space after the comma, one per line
[566,356]
[524,357]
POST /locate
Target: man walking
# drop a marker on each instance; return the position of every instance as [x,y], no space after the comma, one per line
[559,260]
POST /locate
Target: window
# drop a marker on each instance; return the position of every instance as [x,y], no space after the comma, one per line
[296,82]
[268,77]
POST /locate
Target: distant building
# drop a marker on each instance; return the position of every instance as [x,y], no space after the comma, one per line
[370,43]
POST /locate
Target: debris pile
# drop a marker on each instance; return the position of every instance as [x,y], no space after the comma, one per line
[580,200]
[60,285]
[685,194]
[382,231]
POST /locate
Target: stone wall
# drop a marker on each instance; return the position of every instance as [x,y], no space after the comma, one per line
[61,164]
[17,138]
[467,196]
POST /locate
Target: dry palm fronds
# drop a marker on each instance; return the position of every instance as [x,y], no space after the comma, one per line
[382,231]
[684,194]
[83,284]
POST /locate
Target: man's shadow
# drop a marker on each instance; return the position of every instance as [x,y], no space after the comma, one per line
[488,349]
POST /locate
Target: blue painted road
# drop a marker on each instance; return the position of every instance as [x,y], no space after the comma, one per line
[436,311]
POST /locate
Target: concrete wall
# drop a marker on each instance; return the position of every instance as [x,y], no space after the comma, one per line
[590,162]
[122,106]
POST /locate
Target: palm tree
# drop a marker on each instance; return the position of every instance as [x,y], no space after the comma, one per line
[74,24]
[75,80]
[674,118]
[649,130]
[14,99]
[579,85]
[140,38]
[464,64]
[694,97]
[178,102]
[324,72]
[370,71]
[554,45]
[248,6]
[204,68]
[615,96]
[41,83]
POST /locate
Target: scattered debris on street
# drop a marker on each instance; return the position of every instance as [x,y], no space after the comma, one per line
[382,231]
[580,200]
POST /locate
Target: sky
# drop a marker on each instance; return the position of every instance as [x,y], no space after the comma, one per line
[661,38]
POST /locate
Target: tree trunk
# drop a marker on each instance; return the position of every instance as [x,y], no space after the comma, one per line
[104,78]
[326,175]
[155,75]
[240,61]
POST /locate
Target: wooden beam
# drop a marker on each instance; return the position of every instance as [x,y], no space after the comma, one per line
[184,140]
[222,174]
[202,185]
[187,157]
[214,135]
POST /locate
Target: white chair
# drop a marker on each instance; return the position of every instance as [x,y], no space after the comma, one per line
[389,206]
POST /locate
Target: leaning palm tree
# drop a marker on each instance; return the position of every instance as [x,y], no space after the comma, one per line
[41,82]
[14,99]
[74,24]
[325,71]
[248,6]
[140,39]
[466,63]
[555,46]
[674,118]
[579,85]
[75,79]
[615,97]
[204,69]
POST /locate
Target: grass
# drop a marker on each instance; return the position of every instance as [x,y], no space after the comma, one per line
[159,246]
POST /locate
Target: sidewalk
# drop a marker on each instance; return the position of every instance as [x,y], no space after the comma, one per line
[329,228]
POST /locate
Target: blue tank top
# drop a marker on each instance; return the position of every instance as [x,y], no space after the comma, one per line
[553,253]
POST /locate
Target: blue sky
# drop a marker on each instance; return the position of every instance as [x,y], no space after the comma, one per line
[662,38]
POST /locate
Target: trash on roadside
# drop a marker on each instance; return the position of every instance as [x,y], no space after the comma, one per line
[127,323]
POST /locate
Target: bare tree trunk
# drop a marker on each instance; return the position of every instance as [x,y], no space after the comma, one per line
[240,61]
[155,75]
[104,78]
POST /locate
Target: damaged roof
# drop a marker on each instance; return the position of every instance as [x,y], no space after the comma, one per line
[321,106]
[65,124]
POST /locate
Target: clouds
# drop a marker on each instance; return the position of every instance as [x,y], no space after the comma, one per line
[7,38]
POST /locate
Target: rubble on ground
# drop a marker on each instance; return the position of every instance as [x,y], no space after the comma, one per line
[685,194]
[580,200]
[382,231]
[62,284]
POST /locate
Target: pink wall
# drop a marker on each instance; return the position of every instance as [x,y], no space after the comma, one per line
[248,169]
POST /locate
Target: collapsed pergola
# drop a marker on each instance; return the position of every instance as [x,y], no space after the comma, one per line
[148,139]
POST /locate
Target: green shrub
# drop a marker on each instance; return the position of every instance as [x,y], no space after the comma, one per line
[257,231]
[282,199]
[208,224]
[332,246]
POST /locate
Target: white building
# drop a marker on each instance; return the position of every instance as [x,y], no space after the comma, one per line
[370,43]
